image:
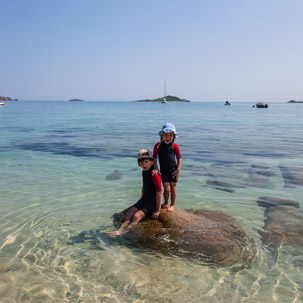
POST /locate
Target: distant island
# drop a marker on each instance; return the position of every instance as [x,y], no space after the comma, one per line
[76,100]
[168,99]
[7,99]
[293,101]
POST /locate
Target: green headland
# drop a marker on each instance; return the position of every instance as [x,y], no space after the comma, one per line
[167,98]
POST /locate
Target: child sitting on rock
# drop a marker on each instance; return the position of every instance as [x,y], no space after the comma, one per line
[150,202]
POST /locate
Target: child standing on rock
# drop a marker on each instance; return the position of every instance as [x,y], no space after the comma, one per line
[170,163]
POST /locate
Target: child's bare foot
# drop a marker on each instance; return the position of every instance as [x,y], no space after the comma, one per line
[164,205]
[171,208]
[115,233]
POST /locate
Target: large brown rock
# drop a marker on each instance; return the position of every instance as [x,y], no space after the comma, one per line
[210,236]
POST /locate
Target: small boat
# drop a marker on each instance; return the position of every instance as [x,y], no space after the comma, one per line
[2,103]
[261,105]
[227,103]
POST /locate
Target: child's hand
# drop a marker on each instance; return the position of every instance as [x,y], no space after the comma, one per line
[176,174]
[155,214]
[154,172]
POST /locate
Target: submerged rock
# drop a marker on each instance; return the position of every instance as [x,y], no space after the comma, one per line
[115,175]
[283,224]
[292,174]
[259,178]
[232,177]
[268,201]
[259,166]
[210,236]
[283,227]
[228,190]
[222,184]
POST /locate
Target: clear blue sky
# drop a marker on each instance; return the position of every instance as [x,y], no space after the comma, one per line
[206,50]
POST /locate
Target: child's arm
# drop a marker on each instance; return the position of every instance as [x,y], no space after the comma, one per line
[156,164]
[179,161]
[155,170]
[156,213]
[177,171]
[155,154]
[157,182]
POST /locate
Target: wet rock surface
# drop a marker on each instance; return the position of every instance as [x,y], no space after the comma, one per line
[210,236]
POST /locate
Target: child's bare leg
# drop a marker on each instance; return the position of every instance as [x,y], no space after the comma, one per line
[166,186]
[173,196]
[129,215]
[137,217]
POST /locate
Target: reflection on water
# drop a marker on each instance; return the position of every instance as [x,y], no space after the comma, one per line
[65,169]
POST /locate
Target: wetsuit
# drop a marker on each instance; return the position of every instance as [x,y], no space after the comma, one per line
[168,153]
[151,185]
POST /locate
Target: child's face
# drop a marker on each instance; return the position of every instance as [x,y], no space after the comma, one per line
[168,137]
[146,164]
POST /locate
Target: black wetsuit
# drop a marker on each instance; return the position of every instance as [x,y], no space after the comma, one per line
[151,185]
[167,158]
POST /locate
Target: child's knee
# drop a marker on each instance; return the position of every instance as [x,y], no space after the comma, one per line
[167,188]
[138,216]
[130,210]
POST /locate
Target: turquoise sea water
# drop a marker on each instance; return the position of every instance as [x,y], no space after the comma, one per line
[66,167]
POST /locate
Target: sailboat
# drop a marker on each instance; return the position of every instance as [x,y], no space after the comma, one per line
[164,98]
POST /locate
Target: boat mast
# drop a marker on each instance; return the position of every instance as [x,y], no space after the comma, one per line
[164,90]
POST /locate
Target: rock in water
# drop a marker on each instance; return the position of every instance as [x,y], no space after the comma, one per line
[115,175]
[210,236]
[292,175]
[268,201]
[283,225]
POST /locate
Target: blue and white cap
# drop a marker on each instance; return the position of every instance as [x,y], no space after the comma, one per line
[167,128]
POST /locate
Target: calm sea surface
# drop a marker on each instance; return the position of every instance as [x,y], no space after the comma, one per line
[66,167]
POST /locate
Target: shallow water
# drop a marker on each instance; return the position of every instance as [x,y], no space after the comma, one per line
[66,167]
